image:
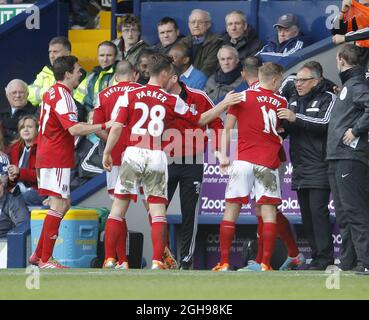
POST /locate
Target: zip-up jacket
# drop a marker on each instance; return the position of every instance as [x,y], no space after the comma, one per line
[351,110]
[308,137]
[275,49]
[44,80]
[96,81]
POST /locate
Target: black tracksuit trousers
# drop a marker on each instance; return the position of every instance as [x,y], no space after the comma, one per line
[189,178]
[349,180]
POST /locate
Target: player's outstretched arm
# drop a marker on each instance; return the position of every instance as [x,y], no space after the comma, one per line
[83,129]
[110,143]
[230,99]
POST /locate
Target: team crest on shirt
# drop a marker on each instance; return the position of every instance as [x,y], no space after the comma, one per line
[193,109]
[343,93]
[313,107]
[73,117]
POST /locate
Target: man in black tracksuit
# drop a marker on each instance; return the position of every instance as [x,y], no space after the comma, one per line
[307,125]
[347,152]
[187,169]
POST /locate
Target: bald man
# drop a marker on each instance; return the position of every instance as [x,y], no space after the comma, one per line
[17,93]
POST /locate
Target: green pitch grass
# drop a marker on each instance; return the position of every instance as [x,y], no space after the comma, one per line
[174,284]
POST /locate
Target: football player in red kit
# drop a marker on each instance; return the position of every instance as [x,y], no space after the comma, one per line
[256,163]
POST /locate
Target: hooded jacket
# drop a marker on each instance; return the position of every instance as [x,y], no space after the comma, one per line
[351,110]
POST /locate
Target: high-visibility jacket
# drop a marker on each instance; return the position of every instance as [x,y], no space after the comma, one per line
[357,18]
[44,80]
[96,81]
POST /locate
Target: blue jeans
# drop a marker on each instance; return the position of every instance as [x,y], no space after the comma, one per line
[32,198]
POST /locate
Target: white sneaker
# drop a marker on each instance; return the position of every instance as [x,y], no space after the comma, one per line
[109,263]
[158,265]
[122,266]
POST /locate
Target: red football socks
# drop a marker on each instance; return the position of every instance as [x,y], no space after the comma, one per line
[227,231]
[113,232]
[50,233]
[284,231]
[269,235]
[259,235]
[159,236]
[121,246]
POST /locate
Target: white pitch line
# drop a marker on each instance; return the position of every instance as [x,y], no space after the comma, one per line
[168,273]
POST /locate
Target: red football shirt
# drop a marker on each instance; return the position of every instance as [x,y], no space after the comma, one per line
[198,101]
[258,140]
[55,148]
[148,111]
[104,111]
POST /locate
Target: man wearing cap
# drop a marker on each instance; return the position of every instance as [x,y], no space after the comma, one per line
[289,39]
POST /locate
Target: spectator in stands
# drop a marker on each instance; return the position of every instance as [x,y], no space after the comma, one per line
[99,78]
[169,35]
[352,24]
[129,44]
[228,77]
[83,14]
[190,76]
[16,92]
[289,39]
[13,210]
[141,66]
[58,47]
[250,70]
[22,153]
[241,35]
[203,44]
[306,122]
[347,146]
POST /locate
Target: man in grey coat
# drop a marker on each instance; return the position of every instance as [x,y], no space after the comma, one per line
[13,210]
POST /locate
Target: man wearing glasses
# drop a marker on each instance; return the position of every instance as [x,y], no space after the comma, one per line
[203,43]
[306,122]
[17,93]
[129,44]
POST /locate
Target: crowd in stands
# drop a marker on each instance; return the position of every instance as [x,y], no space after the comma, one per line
[205,61]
